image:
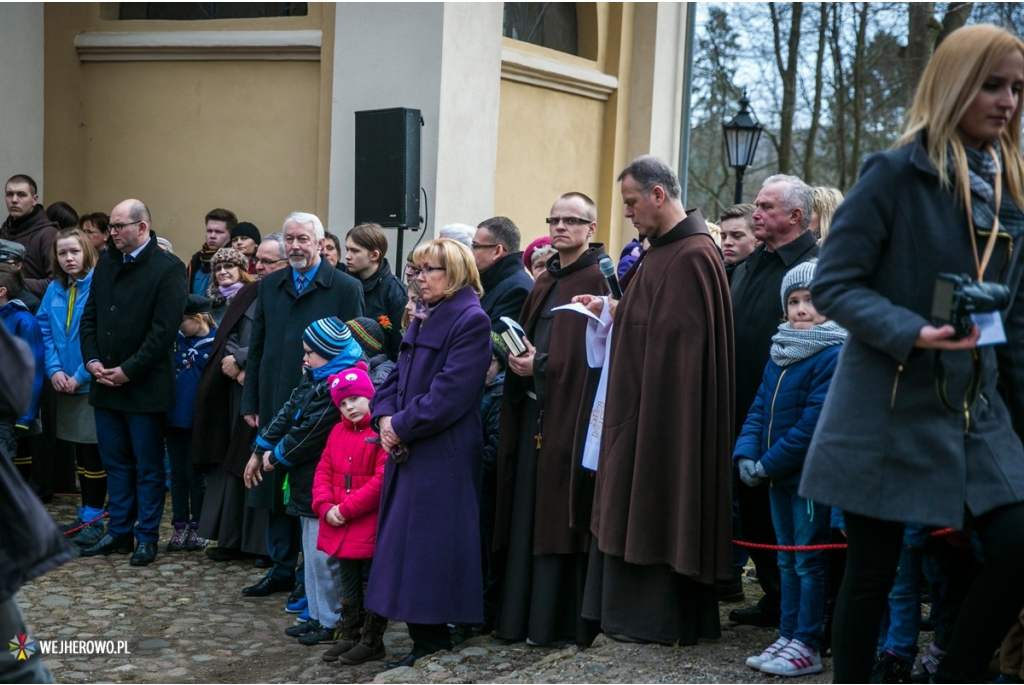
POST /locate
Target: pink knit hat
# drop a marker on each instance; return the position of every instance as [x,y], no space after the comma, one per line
[528,253]
[352,382]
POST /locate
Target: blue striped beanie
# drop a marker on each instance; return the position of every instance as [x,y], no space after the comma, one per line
[327,337]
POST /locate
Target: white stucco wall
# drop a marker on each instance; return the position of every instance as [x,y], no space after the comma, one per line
[21,82]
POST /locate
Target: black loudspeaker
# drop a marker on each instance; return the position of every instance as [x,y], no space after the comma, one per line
[388,167]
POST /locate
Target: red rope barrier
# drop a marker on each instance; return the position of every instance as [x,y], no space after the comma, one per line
[72,531]
[816,548]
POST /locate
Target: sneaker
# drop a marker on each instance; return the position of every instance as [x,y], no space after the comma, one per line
[321,636]
[303,617]
[926,665]
[794,659]
[755,662]
[89,535]
[298,606]
[177,541]
[77,525]
[298,631]
[194,542]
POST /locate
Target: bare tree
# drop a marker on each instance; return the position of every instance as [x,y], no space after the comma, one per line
[810,149]
[788,73]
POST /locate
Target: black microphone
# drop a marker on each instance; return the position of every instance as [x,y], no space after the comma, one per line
[608,270]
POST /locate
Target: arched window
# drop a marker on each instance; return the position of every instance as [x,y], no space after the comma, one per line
[548,24]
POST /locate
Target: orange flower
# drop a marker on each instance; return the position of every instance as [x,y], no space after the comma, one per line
[384,321]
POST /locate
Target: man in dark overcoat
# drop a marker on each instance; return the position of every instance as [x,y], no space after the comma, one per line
[662,519]
[781,216]
[500,261]
[128,329]
[289,300]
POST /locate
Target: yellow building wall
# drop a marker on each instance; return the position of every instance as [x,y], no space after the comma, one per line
[547,146]
[191,136]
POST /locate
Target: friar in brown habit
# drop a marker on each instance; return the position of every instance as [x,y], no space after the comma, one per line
[662,506]
[544,493]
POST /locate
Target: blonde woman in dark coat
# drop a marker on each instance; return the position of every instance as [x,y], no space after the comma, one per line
[919,423]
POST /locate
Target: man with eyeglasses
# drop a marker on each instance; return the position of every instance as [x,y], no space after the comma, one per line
[505,281]
[288,301]
[271,255]
[28,225]
[128,328]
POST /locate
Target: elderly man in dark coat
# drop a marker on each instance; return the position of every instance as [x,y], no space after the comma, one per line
[662,502]
[544,493]
[128,328]
[289,300]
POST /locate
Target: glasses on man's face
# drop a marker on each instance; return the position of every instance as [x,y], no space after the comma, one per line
[483,246]
[419,271]
[269,262]
[567,220]
[117,228]
[224,267]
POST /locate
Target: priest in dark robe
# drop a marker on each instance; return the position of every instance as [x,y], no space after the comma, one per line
[662,504]
[544,494]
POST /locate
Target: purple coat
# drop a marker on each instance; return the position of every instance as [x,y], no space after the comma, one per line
[426,567]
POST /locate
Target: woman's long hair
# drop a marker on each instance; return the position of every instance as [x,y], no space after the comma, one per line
[948,86]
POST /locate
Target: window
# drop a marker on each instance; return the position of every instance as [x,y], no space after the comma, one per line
[548,24]
[191,11]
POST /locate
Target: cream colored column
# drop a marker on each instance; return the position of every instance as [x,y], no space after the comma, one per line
[21,82]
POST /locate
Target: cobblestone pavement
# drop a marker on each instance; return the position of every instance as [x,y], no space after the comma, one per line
[186,621]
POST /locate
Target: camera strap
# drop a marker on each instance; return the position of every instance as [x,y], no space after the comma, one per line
[982,264]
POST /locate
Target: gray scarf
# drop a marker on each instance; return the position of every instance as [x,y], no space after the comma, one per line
[981,172]
[790,346]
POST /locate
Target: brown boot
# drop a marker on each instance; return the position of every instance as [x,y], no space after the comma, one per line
[351,620]
[371,644]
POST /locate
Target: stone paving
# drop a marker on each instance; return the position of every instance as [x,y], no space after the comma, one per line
[186,621]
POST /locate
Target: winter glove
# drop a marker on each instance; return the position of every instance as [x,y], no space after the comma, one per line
[748,472]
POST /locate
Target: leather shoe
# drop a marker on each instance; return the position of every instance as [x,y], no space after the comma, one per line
[109,544]
[411,658]
[222,553]
[268,586]
[754,616]
[145,554]
[262,561]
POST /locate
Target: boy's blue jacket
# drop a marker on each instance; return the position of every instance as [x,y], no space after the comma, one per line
[63,344]
[21,323]
[190,357]
[781,421]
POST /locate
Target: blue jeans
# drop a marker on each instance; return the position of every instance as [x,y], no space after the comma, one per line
[187,486]
[800,522]
[900,627]
[132,451]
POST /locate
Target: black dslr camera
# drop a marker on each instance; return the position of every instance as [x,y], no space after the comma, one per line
[957,297]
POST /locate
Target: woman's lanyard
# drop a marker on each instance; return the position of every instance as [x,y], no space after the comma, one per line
[982,264]
[72,293]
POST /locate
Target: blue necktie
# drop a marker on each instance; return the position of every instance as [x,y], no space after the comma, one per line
[300,285]
[128,259]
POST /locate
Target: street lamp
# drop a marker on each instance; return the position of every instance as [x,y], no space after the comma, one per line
[742,134]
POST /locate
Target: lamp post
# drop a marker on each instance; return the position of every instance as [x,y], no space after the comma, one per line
[742,134]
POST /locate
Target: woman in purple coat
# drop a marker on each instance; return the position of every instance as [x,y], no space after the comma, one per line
[426,568]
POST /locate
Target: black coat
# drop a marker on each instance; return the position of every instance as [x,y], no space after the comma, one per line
[131,319]
[385,295]
[274,366]
[506,285]
[757,311]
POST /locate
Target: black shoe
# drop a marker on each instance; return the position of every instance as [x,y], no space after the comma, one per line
[145,554]
[754,616]
[303,628]
[268,586]
[222,553]
[410,659]
[262,561]
[321,636]
[298,593]
[729,591]
[109,544]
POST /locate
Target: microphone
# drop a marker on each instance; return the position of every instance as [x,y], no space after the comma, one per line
[608,270]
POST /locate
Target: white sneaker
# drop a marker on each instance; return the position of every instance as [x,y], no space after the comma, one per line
[794,659]
[767,655]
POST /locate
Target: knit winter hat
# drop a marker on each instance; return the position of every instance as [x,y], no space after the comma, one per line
[231,256]
[528,253]
[798,278]
[327,337]
[247,230]
[369,333]
[352,382]
[499,350]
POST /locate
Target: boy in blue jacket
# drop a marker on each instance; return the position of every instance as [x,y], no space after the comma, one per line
[22,324]
[773,446]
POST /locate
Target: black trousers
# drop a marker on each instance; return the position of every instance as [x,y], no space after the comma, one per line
[991,605]
[756,521]
[429,638]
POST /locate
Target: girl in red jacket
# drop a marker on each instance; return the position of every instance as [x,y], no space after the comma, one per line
[346,496]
